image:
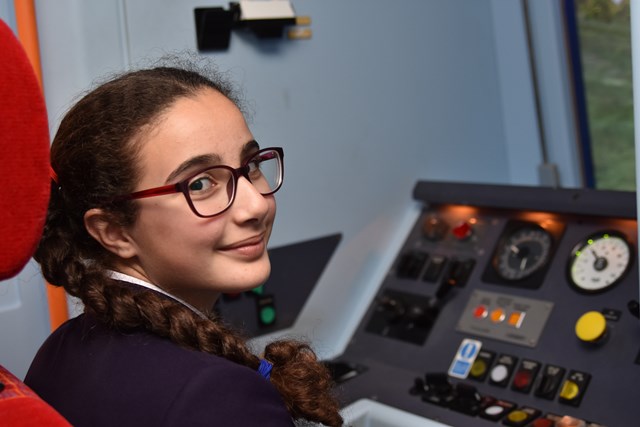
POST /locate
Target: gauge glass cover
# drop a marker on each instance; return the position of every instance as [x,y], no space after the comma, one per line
[599,262]
[523,253]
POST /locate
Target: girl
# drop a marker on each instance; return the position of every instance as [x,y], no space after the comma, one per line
[161,201]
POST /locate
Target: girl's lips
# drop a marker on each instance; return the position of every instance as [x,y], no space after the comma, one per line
[251,247]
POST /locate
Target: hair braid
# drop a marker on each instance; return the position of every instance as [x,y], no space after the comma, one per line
[303,382]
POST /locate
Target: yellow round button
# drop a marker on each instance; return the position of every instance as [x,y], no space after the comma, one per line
[517,416]
[478,368]
[569,390]
[591,326]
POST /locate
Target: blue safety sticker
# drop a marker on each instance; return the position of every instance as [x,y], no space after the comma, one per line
[464,358]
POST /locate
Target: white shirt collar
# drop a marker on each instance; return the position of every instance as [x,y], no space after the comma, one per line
[134,280]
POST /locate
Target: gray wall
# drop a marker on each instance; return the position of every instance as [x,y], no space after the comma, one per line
[384,94]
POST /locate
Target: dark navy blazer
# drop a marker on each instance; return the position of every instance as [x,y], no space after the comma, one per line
[95,376]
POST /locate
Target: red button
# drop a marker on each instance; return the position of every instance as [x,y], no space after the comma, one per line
[462,231]
[542,422]
[522,379]
[480,312]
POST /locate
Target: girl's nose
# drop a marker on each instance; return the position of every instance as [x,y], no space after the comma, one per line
[249,204]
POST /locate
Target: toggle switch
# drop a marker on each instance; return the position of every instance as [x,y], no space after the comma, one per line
[456,277]
[410,264]
[550,382]
[467,400]
[438,389]
[435,268]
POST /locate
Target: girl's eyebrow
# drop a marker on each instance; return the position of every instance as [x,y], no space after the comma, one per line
[207,159]
[249,147]
[201,160]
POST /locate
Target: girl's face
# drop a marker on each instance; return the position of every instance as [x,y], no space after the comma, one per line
[190,257]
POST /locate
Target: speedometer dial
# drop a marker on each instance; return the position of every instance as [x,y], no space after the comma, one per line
[523,253]
[599,262]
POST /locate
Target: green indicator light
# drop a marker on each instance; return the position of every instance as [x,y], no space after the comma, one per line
[267,315]
[578,253]
[259,290]
[590,241]
[606,236]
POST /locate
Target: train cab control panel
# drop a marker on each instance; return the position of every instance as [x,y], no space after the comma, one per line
[506,305]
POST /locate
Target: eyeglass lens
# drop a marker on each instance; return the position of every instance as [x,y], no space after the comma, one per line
[213,190]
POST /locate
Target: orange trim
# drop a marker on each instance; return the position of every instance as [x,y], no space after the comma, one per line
[58,312]
[28,35]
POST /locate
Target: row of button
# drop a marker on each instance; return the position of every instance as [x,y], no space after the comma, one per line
[411,266]
[464,398]
[571,390]
[499,315]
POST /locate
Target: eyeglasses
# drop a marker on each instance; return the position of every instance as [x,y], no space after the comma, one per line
[211,191]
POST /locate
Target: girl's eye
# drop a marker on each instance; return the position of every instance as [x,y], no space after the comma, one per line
[201,184]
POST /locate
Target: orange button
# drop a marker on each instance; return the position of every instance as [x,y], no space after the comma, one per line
[497,315]
[515,319]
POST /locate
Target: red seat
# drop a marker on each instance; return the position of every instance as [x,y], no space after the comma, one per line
[19,406]
[24,194]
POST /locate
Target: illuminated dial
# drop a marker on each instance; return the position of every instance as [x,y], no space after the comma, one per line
[599,262]
[525,251]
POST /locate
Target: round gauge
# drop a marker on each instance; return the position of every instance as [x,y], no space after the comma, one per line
[599,262]
[523,252]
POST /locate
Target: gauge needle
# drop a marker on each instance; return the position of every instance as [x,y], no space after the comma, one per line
[523,263]
[514,249]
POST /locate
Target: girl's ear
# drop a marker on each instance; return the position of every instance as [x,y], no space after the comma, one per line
[112,236]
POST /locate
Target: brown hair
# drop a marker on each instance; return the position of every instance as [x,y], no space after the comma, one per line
[94,154]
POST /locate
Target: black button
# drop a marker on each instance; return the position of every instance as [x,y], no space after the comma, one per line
[434,269]
[550,382]
[410,264]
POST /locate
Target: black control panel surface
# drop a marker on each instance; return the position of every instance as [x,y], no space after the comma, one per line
[506,305]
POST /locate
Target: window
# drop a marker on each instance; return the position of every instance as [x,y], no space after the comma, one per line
[604,39]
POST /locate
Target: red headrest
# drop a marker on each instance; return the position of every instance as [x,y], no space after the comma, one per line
[24,156]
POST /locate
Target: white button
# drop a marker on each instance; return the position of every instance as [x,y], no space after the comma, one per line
[499,373]
[494,410]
